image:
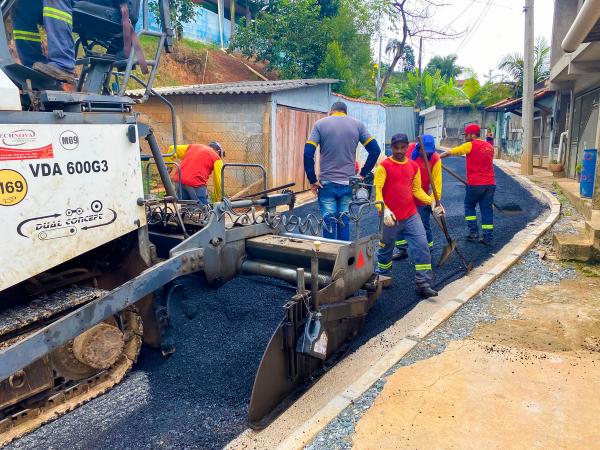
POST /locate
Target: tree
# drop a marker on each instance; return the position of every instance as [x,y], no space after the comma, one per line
[446,65]
[329,8]
[336,65]
[514,65]
[412,19]
[354,42]
[181,11]
[288,36]
[433,89]
[408,59]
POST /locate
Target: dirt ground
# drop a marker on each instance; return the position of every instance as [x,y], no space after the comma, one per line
[529,380]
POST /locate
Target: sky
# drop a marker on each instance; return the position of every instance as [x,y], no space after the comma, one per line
[496,28]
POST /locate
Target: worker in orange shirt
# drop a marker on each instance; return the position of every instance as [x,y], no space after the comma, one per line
[481,183]
[397,184]
[436,173]
[198,164]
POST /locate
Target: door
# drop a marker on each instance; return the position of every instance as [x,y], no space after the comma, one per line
[537,142]
[583,135]
[293,126]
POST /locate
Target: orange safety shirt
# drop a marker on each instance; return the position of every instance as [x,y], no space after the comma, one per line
[398,184]
[480,162]
[197,166]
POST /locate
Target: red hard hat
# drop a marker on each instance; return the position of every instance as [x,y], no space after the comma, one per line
[472,129]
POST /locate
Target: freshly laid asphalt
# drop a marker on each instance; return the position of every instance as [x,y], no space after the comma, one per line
[198,397]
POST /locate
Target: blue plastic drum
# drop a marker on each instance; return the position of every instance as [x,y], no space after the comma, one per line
[588,172]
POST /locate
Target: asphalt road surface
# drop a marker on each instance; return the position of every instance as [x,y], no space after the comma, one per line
[198,397]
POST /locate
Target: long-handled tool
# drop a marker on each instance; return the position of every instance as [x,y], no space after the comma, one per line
[511,209]
[441,220]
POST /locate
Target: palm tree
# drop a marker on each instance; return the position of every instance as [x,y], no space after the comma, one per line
[446,65]
[514,65]
[407,57]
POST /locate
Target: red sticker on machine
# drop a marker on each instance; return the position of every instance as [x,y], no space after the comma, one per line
[24,144]
[361,260]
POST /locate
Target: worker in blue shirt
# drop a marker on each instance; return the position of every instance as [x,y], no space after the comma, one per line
[56,16]
[338,136]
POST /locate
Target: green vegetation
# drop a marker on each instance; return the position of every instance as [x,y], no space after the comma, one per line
[514,65]
[446,65]
[181,11]
[310,38]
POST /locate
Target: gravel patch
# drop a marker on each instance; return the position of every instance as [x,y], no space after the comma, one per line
[529,272]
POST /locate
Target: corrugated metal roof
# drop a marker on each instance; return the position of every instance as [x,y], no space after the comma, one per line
[240,87]
[515,103]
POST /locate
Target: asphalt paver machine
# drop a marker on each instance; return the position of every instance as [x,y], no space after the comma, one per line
[89,263]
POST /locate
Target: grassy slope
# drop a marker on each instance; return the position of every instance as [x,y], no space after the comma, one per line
[195,62]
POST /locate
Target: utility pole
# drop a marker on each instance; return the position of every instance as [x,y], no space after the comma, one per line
[220,7]
[418,100]
[232,18]
[378,87]
[528,88]
[378,83]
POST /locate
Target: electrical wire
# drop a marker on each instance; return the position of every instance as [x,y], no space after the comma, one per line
[478,21]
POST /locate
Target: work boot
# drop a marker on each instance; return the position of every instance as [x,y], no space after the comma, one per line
[382,272]
[54,72]
[473,237]
[486,240]
[426,292]
[400,253]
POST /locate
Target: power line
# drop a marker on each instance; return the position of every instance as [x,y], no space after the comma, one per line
[461,13]
[478,21]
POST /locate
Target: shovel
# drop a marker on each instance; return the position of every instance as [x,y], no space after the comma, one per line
[441,220]
[511,209]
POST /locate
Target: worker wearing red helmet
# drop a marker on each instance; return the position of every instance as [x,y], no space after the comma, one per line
[481,183]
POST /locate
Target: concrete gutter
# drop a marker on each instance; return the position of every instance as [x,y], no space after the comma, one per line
[308,415]
[586,19]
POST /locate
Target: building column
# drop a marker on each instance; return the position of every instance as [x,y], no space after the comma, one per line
[596,195]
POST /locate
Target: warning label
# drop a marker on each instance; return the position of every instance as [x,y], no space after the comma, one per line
[7,154]
[25,144]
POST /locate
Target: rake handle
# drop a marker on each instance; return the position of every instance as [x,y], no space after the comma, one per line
[463,181]
[442,221]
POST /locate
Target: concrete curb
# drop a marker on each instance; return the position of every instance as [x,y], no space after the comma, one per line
[452,298]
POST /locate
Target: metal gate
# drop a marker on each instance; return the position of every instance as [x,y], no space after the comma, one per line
[293,127]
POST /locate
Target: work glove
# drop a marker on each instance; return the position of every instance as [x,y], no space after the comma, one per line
[437,209]
[389,220]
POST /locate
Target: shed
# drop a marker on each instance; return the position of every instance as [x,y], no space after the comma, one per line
[447,124]
[372,114]
[257,122]
[509,135]
[400,119]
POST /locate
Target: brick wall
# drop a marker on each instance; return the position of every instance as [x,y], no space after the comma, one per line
[241,123]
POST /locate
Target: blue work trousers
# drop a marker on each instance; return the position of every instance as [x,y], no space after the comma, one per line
[425,214]
[57,18]
[414,232]
[484,197]
[193,193]
[334,202]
